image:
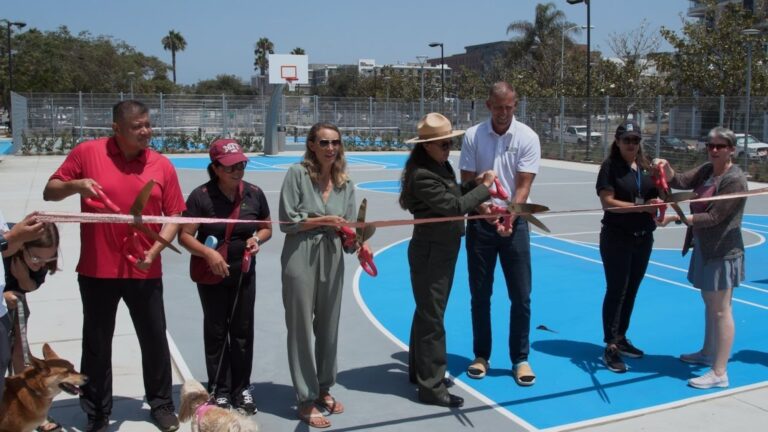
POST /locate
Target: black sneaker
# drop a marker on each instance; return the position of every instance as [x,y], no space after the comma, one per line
[223,401]
[628,350]
[245,403]
[613,360]
[97,423]
[165,418]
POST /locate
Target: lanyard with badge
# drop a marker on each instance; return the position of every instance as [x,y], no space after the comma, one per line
[639,181]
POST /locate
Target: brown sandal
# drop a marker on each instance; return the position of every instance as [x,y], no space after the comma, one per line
[313,418]
[329,404]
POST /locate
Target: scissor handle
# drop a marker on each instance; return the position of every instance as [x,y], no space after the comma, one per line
[102,201]
[366,262]
[505,215]
[660,178]
[132,249]
[348,238]
[498,191]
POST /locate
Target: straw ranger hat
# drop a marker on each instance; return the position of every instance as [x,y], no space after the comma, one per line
[434,127]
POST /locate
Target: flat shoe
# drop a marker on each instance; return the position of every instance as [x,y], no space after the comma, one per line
[446,400]
[524,375]
[314,419]
[329,404]
[478,368]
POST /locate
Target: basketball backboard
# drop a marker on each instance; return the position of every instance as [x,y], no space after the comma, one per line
[288,67]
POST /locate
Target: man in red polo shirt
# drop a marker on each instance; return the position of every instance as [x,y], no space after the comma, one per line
[120,166]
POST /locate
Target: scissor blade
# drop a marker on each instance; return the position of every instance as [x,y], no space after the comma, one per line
[367,233]
[680,196]
[156,237]
[680,213]
[534,220]
[361,218]
[527,208]
[142,198]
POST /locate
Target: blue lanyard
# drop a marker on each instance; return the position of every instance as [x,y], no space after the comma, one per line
[639,182]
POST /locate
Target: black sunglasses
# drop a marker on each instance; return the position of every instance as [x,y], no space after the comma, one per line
[711,146]
[631,140]
[326,142]
[445,145]
[240,166]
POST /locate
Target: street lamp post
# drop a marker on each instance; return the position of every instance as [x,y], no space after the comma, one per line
[421,59]
[748,33]
[20,25]
[589,77]
[442,72]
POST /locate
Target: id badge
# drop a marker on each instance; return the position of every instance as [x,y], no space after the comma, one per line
[639,201]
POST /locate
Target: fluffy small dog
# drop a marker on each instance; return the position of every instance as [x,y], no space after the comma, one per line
[210,418]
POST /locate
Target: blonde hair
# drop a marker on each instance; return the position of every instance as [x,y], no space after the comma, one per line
[339,167]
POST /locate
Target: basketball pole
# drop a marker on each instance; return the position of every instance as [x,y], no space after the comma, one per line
[270,132]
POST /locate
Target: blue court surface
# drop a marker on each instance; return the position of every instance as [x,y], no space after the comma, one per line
[281,163]
[566,332]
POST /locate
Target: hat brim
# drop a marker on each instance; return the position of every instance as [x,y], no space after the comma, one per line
[629,134]
[453,133]
[232,158]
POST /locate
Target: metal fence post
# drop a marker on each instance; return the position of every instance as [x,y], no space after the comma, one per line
[721,117]
[80,114]
[606,131]
[562,125]
[162,117]
[370,116]
[317,110]
[224,127]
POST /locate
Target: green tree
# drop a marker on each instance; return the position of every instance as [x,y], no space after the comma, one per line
[173,42]
[536,47]
[298,51]
[222,84]
[710,56]
[264,47]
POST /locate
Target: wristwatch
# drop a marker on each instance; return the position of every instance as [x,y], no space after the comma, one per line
[3,243]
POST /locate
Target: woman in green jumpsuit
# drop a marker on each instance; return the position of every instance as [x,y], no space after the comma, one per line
[316,195]
[429,189]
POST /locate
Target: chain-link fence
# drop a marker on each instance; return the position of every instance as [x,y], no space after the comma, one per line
[673,127]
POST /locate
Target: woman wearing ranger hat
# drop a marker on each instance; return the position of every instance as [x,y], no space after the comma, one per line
[429,189]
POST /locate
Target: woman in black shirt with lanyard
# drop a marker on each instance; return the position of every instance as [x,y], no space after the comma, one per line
[626,238]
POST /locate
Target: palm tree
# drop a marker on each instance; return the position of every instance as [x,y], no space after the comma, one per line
[173,42]
[264,47]
[298,51]
[543,32]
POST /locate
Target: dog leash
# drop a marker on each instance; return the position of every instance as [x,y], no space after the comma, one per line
[21,319]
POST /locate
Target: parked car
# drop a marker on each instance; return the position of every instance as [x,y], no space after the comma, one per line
[755,148]
[668,143]
[578,135]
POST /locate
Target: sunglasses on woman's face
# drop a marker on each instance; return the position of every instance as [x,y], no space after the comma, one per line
[37,260]
[716,146]
[240,166]
[445,145]
[326,142]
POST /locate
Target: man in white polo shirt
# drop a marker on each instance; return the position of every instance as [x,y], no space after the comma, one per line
[513,151]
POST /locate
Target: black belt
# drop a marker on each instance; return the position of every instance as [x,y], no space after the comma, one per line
[641,233]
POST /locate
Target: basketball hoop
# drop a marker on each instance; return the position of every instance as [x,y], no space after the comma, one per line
[291,83]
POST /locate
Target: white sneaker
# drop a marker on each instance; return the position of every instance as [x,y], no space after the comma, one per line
[709,380]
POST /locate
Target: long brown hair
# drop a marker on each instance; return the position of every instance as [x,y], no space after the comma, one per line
[339,167]
[417,159]
[50,238]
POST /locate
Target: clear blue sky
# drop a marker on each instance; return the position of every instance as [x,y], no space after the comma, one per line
[221,34]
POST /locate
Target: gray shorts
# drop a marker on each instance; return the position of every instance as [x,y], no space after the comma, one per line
[716,274]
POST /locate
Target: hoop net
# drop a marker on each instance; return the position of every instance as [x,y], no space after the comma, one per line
[291,83]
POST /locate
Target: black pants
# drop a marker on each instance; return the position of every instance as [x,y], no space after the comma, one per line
[144,299]
[432,268]
[625,259]
[217,301]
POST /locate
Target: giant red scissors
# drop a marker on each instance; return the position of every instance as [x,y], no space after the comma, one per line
[131,248]
[354,240]
[525,210]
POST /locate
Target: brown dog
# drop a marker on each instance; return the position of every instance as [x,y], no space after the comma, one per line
[195,407]
[28,395]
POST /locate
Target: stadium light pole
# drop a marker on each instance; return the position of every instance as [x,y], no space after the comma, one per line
[748,33]
[442,72]
[9,24]
[130,78]
[421,59]
[589,77]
